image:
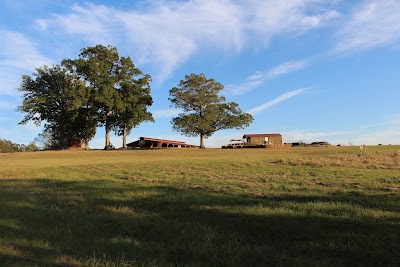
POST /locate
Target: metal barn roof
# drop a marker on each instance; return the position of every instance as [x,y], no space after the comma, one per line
[261,135]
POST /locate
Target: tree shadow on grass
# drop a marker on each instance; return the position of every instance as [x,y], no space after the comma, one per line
[62,223]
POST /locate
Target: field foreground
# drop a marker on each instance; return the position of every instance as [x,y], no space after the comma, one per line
[190,207]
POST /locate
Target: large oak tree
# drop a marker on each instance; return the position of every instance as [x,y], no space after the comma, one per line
[57,97]
[97,89]
[204,110]
[136,98]
[119,87]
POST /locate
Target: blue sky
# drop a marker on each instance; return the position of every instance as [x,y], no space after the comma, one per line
[311,70]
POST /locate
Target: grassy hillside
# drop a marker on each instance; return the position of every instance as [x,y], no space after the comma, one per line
[190,207]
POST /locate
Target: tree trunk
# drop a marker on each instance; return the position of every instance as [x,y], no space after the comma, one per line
[86,144]
[107,136]
[124,138]
[202,141]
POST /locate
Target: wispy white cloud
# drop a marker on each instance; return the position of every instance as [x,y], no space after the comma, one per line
[269,18]
[168,33]
[374,23]
[286,68]
[5,134]
[17,51]
[18,54]
[165,113]
[165,35]
[9,81]
[388,135]
[311,136]
[7,105]
[277,100]
[392,120]
[384,132]
[259,78]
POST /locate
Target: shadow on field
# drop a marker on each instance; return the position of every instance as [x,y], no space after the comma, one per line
[62,223]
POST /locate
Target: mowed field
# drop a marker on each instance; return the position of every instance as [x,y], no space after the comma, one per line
[191,207]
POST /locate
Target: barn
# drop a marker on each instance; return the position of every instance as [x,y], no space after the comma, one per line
[258,141]
[149,142]
[262,139]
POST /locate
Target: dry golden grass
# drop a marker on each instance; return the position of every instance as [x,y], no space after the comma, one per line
[191,207]
[375,160]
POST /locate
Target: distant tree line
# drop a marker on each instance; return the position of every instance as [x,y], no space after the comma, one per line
[6,146]
[102,89]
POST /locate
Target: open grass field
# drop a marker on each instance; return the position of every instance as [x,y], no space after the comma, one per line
[190,207]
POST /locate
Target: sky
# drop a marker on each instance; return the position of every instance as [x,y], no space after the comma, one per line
[312,70]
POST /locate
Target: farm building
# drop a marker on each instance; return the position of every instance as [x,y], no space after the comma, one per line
[263,139]
[257,141]
[148,142]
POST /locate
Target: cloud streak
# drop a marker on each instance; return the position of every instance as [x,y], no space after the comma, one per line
[310,136]
[7,105]
[393,120]
[277,100]
[167,33]
[384,136]
[259,78]
[165,113]
[18,54]
[372,24]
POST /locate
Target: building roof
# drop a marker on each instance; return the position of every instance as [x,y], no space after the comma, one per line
[261,135]
[165,141]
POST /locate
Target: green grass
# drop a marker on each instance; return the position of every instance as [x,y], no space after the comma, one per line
[189,207]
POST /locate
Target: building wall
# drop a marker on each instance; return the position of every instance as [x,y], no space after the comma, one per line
[259,140]
[276,140]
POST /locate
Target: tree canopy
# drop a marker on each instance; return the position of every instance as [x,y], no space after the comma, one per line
[136,98]
[6,146]
[204,110]
[97,89]
[122,91]
[57,97]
